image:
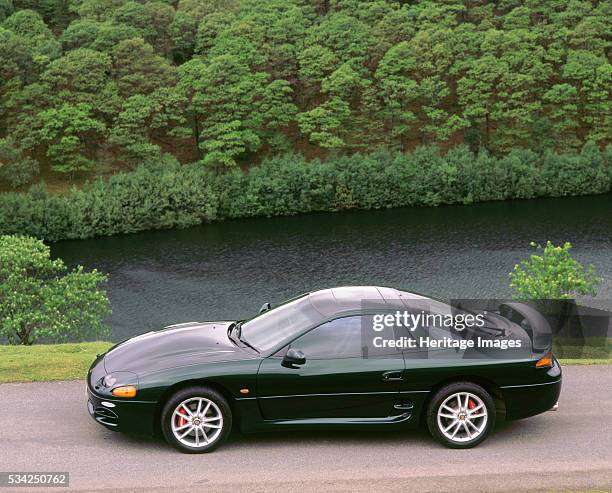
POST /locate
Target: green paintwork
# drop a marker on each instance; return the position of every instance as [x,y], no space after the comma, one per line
[339,393]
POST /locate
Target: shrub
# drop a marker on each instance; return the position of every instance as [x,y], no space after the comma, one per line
[161,193]
[572,174]
[553,275]
[39,297]
[524,175]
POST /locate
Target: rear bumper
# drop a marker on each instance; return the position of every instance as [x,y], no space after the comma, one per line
[121,415]
[523,401]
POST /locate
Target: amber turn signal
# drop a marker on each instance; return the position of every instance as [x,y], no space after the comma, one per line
[545,362]
[127,391]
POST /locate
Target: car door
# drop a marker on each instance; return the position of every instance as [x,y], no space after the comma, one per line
[341,377]
[425,363]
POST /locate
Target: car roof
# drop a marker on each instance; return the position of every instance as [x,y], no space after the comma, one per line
[344,299]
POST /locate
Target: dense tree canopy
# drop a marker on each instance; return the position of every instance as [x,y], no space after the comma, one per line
[92,84]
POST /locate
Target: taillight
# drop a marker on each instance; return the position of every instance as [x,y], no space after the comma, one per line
[545,361]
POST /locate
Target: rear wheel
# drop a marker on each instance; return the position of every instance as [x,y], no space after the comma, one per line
[461,415]
[196,420]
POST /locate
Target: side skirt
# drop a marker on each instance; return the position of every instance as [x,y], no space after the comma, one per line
[250,425]
[402,418]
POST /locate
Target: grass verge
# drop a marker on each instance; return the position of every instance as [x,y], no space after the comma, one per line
[48,362]
[585,361]
[597,352]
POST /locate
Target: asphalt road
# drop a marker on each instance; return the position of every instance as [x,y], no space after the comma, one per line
[45,427]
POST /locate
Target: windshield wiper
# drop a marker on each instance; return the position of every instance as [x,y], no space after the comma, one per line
[230,333]
[239,336]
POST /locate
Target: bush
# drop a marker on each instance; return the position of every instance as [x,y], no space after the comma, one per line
[163,194]
[553,275]
[571,174]
[39,297]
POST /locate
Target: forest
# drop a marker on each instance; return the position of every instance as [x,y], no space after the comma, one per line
[92,87]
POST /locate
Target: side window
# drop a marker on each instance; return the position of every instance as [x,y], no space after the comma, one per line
[339,338]
[345,337]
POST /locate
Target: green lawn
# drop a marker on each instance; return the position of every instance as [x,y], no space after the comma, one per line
[593,348]
[586,361]
[47,362]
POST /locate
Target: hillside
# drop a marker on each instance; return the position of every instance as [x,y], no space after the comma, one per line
[89,87]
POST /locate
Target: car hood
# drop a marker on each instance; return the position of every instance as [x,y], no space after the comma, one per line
[174,346]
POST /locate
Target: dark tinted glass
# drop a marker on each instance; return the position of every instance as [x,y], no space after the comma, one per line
[280,324]
[346,337]
[339,338]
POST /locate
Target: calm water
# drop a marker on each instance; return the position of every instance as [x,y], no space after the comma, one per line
[227,270]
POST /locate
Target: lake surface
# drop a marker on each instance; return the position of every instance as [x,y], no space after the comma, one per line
[226,270]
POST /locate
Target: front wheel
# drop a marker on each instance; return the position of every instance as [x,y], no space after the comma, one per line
[461,415]
[196,420]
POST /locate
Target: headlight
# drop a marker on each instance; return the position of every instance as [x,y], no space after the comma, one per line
[109,380]
[120,383]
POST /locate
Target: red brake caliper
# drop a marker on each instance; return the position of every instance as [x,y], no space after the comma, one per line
[471,404]
[182,420]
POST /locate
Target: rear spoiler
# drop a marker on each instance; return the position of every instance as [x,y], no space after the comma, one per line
[532,321]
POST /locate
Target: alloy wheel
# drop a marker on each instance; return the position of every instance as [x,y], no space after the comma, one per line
[462,417]
[197,422]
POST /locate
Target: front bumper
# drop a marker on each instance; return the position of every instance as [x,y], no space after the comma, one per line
[122,415]
[117,414]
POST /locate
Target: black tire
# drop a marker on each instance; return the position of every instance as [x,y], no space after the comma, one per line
[452,389]
[194,392]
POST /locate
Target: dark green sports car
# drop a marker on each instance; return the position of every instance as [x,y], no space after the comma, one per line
[340,358]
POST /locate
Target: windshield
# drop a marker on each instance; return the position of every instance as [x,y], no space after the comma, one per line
[280,324]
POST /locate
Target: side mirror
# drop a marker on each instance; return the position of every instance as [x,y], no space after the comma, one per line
[293,358]
[265,307]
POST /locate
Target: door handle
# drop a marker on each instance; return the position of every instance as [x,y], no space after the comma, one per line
[390,376]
